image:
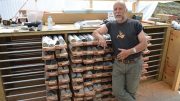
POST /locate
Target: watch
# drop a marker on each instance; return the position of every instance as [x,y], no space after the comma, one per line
[134,50]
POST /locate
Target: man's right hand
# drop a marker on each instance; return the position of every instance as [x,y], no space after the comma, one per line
[102,41]
[98,34]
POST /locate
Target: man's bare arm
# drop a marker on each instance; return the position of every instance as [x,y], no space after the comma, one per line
[142,42]
[98,35]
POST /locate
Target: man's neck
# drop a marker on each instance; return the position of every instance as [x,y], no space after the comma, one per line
[122,21]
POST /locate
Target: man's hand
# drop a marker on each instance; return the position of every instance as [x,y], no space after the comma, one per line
[98,34]
[102,41]
[123,54]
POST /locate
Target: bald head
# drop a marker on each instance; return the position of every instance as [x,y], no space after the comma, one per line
[120,10]
[118,3]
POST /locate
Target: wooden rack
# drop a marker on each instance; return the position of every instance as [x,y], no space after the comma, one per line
[22,68]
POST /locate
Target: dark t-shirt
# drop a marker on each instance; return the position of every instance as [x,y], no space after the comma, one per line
[125,35]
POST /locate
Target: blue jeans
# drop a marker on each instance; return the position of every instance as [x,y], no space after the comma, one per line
[125,79]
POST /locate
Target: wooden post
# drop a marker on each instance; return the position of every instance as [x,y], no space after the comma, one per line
[176,81]
[163,58]
[91,3]
[134,6]
[2,94]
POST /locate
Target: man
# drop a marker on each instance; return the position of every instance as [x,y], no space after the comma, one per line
[128,40]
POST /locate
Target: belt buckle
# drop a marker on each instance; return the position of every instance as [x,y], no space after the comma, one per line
[127,61]
[124,61]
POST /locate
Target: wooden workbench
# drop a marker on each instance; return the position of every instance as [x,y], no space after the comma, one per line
[66,28]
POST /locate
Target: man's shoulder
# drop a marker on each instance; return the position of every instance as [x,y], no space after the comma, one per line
[110,23]
[133,21]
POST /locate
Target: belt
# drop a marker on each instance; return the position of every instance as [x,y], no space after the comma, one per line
[128,61]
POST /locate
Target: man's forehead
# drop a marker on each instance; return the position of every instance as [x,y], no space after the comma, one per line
[119,4]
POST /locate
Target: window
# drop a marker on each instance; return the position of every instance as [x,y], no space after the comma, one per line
[9,8]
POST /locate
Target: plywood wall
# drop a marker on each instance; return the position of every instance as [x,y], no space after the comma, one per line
[173,54]
[65,18]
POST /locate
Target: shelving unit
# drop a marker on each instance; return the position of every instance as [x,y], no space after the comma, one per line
[89,64]
[22,66]
[22,69]
[56,68]
[158,44]
[171,71]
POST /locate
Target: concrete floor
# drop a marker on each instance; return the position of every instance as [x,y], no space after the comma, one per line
[156,91]
[150,90]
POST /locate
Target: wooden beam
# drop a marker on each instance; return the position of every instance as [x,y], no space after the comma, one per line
[164,53]
[134,6]
[2,94]
[176,81]
[91,4]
